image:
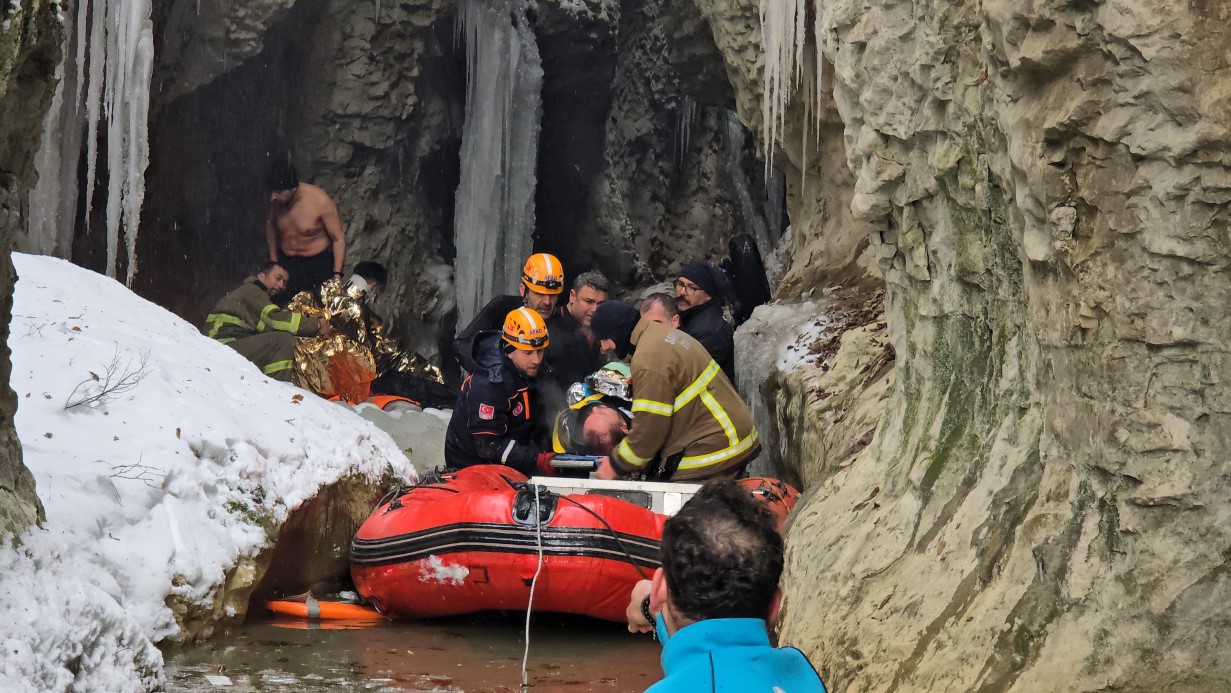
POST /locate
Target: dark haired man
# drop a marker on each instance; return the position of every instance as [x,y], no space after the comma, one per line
[574,352]
[248,321]
[369,277]
[700,291]
[303,230]
[711,599]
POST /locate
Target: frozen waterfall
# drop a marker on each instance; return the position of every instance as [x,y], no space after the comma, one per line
[789,67]
[104,78]
[495,199]
[753,219]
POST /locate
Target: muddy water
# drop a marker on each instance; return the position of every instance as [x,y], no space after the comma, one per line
[482,653]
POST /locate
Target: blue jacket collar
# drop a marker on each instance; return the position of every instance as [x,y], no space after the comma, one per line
[703,637]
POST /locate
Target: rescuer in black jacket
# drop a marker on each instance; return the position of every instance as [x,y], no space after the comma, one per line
[699,291]
[542,282]
[496,419]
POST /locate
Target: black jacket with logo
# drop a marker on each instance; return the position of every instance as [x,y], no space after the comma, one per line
[496,418]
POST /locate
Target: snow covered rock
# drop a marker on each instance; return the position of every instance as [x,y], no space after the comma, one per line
[168,465]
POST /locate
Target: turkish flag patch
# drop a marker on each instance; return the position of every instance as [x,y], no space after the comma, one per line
[487,412]
[517,410]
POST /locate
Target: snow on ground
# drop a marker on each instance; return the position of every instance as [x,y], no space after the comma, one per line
[150,489]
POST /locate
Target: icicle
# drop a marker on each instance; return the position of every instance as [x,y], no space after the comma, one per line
[93,99]
[495,198]
[83,8]
[735,136]
[784,36]
[685,118]
[137,106]
[53,201]
[107,83]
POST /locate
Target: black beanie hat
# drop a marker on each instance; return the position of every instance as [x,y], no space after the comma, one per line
[615,320]
[707,276]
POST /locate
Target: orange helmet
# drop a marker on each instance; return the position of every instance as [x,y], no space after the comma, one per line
[543,273]
[524,329]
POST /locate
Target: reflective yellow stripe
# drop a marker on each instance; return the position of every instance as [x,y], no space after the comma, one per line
[649,406]
[722,455]
[291,325]
[720,415]
[556,445]
[220,319]
[225,340]
[276,366]
[627,454]
[697,386]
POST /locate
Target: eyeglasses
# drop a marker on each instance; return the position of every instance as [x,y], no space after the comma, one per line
[681,285]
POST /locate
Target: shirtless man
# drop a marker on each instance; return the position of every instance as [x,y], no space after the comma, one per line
[303,230]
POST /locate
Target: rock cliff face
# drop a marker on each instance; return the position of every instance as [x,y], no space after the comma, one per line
[30,39]
[634,178]
[1044,185]
[634,172]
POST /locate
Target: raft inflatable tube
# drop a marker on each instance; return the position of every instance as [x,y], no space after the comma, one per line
[469,541]
[777,495]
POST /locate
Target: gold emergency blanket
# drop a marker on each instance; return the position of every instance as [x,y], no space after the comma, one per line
[346,363]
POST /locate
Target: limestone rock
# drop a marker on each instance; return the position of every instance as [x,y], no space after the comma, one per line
[201,41]
[661,193]
[816,374]
[30,39]
[1044,185]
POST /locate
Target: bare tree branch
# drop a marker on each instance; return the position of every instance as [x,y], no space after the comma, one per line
[150,476]
[116,379]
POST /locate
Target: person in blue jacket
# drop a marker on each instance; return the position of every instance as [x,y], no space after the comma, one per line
[721,560]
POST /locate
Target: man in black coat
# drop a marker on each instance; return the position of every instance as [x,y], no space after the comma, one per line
[699,291]
[574,352]
[497,418]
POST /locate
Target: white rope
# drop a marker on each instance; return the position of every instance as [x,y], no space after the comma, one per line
[538,524]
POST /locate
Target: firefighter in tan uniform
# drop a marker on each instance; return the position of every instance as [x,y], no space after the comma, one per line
[689,423]
[248,321]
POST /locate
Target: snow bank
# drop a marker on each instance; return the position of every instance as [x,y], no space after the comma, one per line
[153,490]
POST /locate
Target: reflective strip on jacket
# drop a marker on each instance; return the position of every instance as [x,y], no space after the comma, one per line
[247,311]
[683,403]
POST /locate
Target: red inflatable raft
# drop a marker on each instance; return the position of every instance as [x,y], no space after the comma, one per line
[469,541]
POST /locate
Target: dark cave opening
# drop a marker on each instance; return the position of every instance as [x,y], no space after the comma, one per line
[202,228]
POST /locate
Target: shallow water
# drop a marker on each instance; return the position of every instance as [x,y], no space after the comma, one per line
[480,653]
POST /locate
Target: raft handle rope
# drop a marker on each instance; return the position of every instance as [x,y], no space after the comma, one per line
[393,493]
[614,535]
[525,656]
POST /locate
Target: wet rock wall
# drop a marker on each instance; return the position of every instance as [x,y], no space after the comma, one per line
[30,40]
[1043,505]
